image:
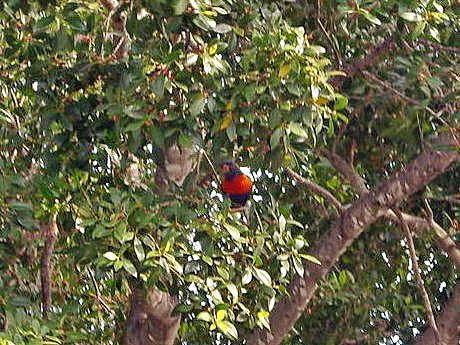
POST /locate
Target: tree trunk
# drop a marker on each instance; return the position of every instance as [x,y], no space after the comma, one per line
[150,321]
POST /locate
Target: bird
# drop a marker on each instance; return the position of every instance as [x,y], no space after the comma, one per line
[235,185]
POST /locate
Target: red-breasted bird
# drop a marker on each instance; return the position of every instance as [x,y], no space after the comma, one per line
[235,185]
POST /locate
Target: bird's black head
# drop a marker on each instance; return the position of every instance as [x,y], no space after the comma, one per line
[229,166]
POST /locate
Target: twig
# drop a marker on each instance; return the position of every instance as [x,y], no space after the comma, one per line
[418,275]
[391,88]
[98,293]
[49,232]
[258,218]
[312,186]
[401,95]
[328,37]
[212,165]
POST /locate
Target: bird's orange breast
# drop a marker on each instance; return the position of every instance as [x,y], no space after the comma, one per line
[240,184]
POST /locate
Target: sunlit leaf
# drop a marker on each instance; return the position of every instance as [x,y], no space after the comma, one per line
[110,256]
[262,276]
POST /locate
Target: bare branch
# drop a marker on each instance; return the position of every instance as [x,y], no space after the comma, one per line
[98,293]
[315,188]
[49,232]
[418,224]
[418,274]
[216,175]
[326,34]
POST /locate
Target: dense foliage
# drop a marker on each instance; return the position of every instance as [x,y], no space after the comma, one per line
[88,110]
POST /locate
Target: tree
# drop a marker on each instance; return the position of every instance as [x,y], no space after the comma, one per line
[114,115]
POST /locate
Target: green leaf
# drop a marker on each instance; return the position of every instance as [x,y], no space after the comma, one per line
[284,70]
[158,86]
[341,102]
[227,328]
[139,249]
[223,272]
[197,104]
[247,277]
[134,126]
[100,231]
[120,232]
[179,6]
[20,206]
[233,291]
[298,265]
[221,315]
[204,316]
[370,17]
[233,231]
[43,23]
[263,276]
[310,258]
[282,223]
[110,256]
[129,267]
[222,28]
[296,128]
[411,16]
[276,137]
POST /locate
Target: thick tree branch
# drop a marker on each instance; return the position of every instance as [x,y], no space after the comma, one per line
[448,322]
[421,171]
[49,232]
[418,274]
[316,189]
[443,241]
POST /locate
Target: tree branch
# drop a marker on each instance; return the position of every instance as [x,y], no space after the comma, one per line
[448,322]
[347,171]
[418,274]
[390,88]
[443,241]
[328,249]
[49,232]
[316,189]
[438,46]
[370,59]
[121,39]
